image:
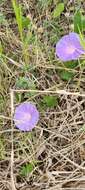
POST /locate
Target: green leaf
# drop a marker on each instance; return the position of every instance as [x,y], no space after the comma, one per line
[22,82]
[18,97]
[82,40]
[50,101]
[25,22]
[66,75]
[78,22]
[25,83]
[18,13]
[83,22]
[27,169]
[71,64]
[58,10]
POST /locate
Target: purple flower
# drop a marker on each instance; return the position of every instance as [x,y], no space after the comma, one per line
[26,116]
[69,47]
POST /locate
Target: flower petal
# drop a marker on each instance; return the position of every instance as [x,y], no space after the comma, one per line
[26,116]
[69,47]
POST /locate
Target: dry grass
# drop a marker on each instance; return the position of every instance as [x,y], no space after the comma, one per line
[57,143]
[56,147]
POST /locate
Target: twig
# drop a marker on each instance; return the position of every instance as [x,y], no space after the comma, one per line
[62,92]
[12,150]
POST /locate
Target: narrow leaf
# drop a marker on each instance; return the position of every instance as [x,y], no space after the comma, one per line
[77,22]
[58,10]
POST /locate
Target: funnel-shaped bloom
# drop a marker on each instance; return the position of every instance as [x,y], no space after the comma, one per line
[26,116]
[69,47]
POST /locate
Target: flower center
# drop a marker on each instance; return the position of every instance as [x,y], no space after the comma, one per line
[26,116]
[70,49]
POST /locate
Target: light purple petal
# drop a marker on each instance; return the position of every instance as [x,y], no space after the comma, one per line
[26,116]
[69,47]
[74,38]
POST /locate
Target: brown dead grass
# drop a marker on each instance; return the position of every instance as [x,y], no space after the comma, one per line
[58,141]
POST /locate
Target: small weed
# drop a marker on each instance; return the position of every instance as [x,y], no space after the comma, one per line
[50,101]
[24,83]
[26,169]
[66,75]
[24,23]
